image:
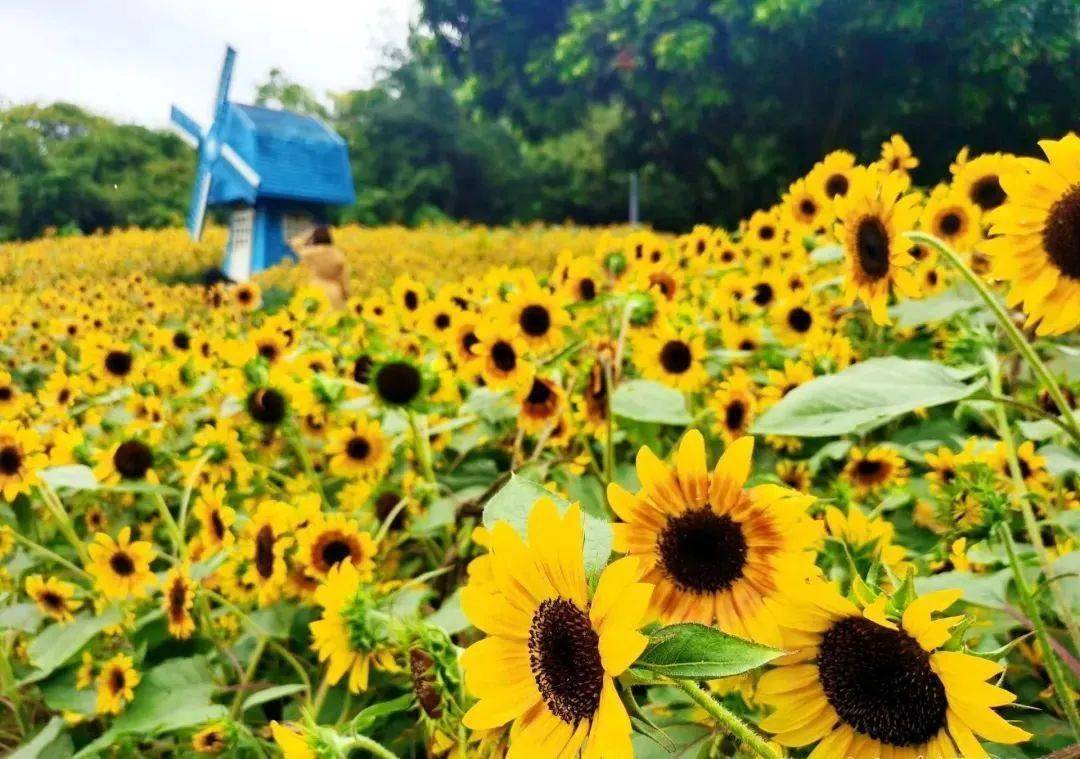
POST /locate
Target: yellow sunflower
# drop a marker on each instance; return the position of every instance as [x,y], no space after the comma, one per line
[360,450]
[541,405]
[866,538]
[798,319]
[764,231]
[121,568]
[896,155]
[734,405]
[53,596]
[212,739]
[1037,247]
[265,539]
[832,176]
[876,683]
[116,684]
[177,598]
[20,460]
[552,653]
[875,470]
[293,744]
[540,316]
[717,552]
[979,179]
[501,356]
[950,216]
[329,540]
[806,206]
[350,635]
[872,218]
[674,356]
[216,519]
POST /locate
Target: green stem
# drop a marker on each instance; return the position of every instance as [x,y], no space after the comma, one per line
[1050,658]
[52,556]
[56,507]
[185,501]
[609,443]
[367,744]
[305,462]
[1015,336]
[249,675]
[726,719]
[9,686]
[1031,524]
[422,445]
[320,696]
[179,544]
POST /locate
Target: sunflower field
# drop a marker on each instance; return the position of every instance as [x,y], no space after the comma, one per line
[803,488]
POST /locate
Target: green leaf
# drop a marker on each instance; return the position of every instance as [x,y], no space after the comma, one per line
[450,618]
[37,746]
[652,402]
[1060,461]
[174,695]
[827,254]
[57,643]
[937,308]
[269,694]
[75,477]
[863,397]
[363,721]
[24,617]
[697,652]
[514,502]
[983,589]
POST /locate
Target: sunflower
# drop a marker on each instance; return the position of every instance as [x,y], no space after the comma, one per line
[399,382]
[178,596]
[876,683]
[782,382]
[807,207]
[865,538]
[120,568]
[794,474]
[1032,466]
[408,295]
[541,405]
[265,539]
[20,460]
[734,405]
[764,231]
[717,552]
[329,540]
[53,596]
[872,218]
[116,684]
[949,215]
[1037,248]
[797,319]
[128,461]
[540,316]
[248,296]
[350,635]
[500,356]
[875,470]
[896,155]
[945,466]
[293,744]
[360,450]
[552,653]
[832,176]
[212,739]
[979,179]
[672,355]
[216,519]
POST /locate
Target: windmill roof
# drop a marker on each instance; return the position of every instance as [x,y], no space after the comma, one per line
[297,158]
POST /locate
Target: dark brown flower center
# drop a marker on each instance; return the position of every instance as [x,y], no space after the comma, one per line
[835,185]
[10,460]
[412,300]
[362,369]
[1061,235]
[735,416]
[675,357]
[872,247]
[117,681]
[118,363]
[122,564]
[332,549]
[181,341]
[503,356]
[358,448]
[177,600]
[264,552]
[950,223]
[587,289]
[807,207]
[420,668]
[701,551]
[133,459]
[52,601]
[266,406]
[868,470]
[442,321]
[398,383]
[763,294]
[987,193]
[535,320]
[564,655]
[880,682]
[800,320]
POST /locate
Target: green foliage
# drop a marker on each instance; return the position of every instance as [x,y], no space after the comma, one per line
[698,652]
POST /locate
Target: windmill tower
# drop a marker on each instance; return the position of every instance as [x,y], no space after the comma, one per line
[276,172]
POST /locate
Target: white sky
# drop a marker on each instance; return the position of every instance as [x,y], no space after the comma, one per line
[131,59]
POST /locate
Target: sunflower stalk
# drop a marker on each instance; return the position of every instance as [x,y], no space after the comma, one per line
[56,508]
[1046,379]
[726,719]
[422,444]
[248,676]
[305,462]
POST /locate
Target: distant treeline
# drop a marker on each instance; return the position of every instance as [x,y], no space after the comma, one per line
[538,110]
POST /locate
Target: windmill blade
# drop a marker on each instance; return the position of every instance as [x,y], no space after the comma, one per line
[200,196]
[185,127]
[223,84]
[243,167]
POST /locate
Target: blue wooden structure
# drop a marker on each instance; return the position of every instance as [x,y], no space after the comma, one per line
[276,171]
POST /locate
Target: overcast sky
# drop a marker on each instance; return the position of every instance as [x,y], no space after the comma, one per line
[131,59]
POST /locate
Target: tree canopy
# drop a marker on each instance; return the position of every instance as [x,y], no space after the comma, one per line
[528,110]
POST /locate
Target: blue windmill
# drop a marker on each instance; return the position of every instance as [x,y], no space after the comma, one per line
[276,171]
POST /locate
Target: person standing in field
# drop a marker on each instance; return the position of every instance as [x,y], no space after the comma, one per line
[326,265]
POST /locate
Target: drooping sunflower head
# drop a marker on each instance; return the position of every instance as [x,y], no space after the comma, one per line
[872,218]
[265,539]
[178,596]
[716,551]
[1037,247]
[877,680]
[552,651]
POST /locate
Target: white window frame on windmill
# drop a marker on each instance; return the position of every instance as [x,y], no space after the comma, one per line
[241,240]
[294,225]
